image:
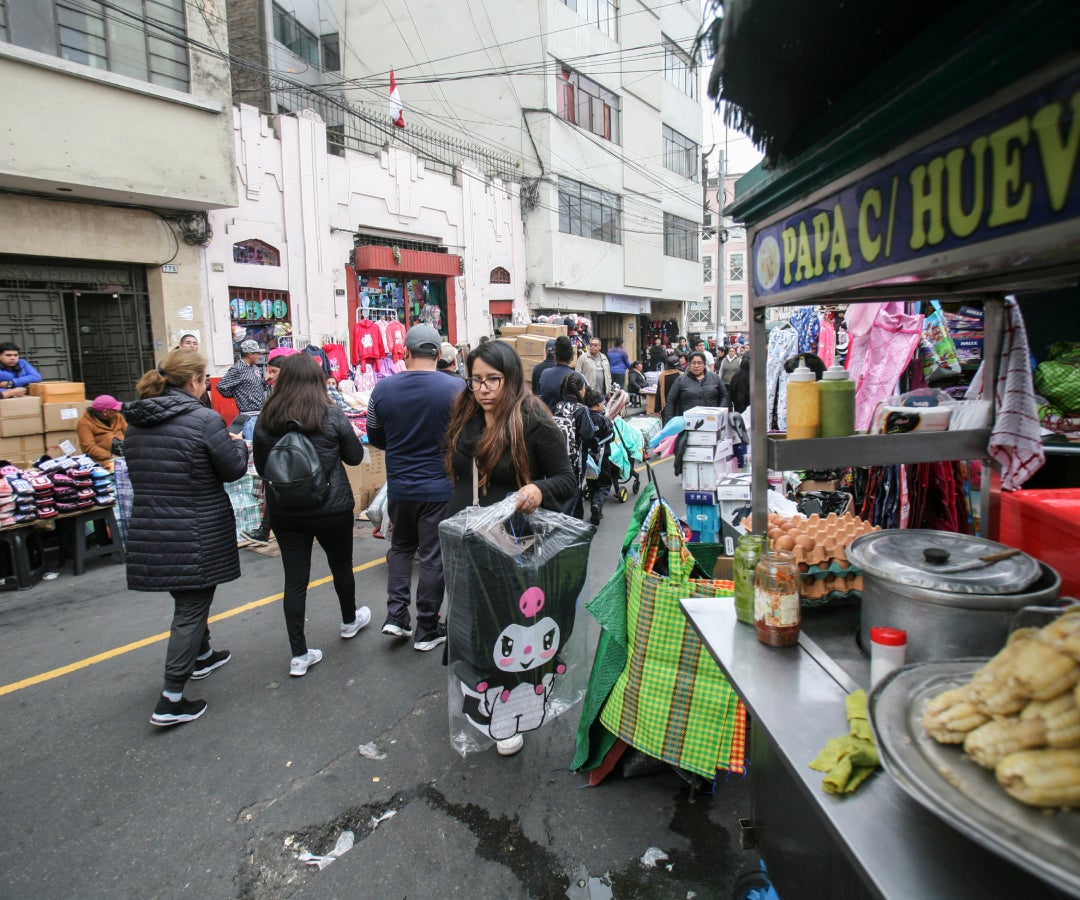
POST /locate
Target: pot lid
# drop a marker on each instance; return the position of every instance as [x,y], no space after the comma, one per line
[928,559]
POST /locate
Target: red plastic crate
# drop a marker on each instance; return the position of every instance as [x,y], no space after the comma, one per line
[1046,524]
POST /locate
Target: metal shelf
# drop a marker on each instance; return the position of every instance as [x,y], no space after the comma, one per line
[877,449]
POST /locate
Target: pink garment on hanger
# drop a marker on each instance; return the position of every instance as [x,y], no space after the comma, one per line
[395,340]
[826,340]
[878,358]
[339,362]
[367,342]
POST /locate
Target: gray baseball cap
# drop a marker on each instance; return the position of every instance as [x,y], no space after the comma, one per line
[250,347]
[423,339]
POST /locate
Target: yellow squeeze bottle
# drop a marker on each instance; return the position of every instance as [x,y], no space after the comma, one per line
[803,404]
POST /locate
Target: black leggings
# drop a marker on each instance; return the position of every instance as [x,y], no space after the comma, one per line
[296,537]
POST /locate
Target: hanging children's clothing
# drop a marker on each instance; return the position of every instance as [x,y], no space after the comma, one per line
[805,322]
[367,346]
[320,357]
[827,339]
[395,340]
[783,344]
[879,354]
[339,362]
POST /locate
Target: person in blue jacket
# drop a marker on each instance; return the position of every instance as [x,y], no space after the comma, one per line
[619,361]
[15,373]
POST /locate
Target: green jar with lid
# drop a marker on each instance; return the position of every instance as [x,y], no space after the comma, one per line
[836,403]
[747,553]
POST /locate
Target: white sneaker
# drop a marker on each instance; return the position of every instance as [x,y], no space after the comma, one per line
[363,616]
[510,746]
[300,664]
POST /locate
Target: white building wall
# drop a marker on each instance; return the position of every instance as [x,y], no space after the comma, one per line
[308,204]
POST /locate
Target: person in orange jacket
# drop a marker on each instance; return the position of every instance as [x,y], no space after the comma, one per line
[102,424]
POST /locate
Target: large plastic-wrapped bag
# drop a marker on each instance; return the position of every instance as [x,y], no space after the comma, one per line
[515,621]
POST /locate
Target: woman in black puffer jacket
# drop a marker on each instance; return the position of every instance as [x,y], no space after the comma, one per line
[697,387]
[182,535]
[300,398]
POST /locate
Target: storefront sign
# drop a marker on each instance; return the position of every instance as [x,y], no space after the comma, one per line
[1005,173]
[627,305]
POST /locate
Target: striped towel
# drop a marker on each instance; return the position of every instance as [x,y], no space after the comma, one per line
[1016,438]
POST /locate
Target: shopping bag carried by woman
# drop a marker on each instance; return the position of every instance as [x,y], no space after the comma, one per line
[515,648]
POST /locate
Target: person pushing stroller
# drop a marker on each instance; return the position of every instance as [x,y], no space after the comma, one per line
[599,450]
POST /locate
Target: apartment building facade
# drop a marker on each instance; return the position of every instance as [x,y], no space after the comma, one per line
[724,309]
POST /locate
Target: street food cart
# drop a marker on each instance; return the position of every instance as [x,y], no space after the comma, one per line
[913,153]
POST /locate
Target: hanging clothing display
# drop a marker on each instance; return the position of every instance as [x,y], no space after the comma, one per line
[783,343]
[805,322]
[367,345]
[395,340]
[339,361]
[880,352]
[827,338]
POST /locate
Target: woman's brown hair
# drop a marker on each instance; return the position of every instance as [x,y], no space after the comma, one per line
[509,427]
[175,370]
[299,396]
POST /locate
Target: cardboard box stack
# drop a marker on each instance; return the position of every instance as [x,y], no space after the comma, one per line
[368,477]
[708,458]
[531,343]
[37,424]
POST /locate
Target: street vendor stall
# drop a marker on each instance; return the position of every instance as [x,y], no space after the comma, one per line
[920,153]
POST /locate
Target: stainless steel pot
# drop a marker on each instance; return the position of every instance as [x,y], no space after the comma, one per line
[947,613]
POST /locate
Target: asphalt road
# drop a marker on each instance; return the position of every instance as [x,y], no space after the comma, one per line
[95,802]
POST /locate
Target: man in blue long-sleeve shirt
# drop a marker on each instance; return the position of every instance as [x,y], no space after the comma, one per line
[15,373]
[408,415]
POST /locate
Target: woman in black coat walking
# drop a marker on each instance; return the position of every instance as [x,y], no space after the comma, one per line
[300,401]
[182,536]
[696,387]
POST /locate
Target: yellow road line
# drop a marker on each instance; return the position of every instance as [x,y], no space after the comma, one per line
[153,639]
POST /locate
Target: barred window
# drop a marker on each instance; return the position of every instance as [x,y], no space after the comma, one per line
[681,237]
[736,308]
[706,268]
[499,275]
[602,13]
[300,40]
[584,103]
[142,39]
[736,267]
[255,253]
[589,212]
[681,154]
[679,68]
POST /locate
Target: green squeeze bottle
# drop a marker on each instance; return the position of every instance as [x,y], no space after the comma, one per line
[836,394]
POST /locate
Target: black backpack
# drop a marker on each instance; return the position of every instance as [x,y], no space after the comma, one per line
[293,473]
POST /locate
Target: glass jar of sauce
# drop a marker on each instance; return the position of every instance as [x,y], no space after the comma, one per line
[777,608]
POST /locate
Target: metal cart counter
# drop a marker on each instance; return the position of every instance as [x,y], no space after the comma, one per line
[876,842]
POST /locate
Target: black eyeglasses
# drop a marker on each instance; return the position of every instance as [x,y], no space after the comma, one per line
[492,383]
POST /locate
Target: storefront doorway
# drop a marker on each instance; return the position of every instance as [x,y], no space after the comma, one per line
[79,321]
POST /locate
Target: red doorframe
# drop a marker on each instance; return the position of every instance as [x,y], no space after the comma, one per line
[421,263]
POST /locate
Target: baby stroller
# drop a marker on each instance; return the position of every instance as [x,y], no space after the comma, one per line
[615,460]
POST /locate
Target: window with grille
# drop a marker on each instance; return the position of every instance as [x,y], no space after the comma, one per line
[589,212]
[602,13]
[142,39]
[681,237]
[255,253]
[681,154]
[584,103]
[699,315]
[300,40]
[707,268]
[499,275]
[736,308]
[331,52]
[679,68]
[736,267]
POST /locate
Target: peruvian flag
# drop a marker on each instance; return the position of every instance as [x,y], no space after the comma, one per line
[397,111]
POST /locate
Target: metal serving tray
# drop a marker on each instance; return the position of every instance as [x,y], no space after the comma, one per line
[964,795]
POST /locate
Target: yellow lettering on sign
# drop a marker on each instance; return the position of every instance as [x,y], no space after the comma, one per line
[869,247]
[821,241]
[788,237]
[926,204]
[1009,200]
[839,254]
[1058,156]
[963,223]
[804,264]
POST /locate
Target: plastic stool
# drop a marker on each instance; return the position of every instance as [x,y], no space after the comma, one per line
[72,533]
[27,557]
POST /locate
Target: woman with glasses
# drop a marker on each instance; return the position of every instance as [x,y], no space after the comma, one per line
[697,387]
[509,434]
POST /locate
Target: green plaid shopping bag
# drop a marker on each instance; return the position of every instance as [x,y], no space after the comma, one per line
[671,700]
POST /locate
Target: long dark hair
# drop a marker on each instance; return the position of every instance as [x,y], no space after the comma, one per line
[509,413]
[571,386]
[299,396]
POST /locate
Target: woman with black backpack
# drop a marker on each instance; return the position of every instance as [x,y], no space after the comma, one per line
[300,417]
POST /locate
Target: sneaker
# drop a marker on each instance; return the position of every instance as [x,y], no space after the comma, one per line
[432,640]
[510,746]
[363,616]
[300,664]
[176,712]
[215,660]
[394,628]
[260,535]
[596,516]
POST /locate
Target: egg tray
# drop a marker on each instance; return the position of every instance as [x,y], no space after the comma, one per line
[830,597]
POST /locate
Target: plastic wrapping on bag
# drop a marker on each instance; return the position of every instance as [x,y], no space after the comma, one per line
[377,509]
[515,646]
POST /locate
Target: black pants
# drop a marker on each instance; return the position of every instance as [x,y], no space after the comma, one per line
[296,537]
[189,636]
[415,534]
